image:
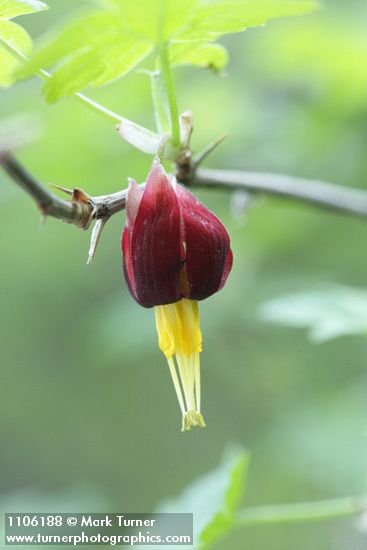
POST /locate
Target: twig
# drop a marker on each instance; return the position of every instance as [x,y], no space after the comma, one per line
[82,209]
[319,193]
[49,204]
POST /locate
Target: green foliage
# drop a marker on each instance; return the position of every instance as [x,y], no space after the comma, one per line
[98,51]
[105,45]
[158,20]
[215,18]
[225,517]
[13,8]
[214,499]
[328,313]
[14,35]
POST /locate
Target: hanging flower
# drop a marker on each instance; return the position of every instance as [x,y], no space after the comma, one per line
[175,253]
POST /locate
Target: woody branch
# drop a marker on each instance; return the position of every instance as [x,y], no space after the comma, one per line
[82,209]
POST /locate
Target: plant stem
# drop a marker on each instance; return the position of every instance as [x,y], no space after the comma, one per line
[321,193]
[160,102]
[44,75]
[336,197]
[171,96]
[49,204]
[303,511]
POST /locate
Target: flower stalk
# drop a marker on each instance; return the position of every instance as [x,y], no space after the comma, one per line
[160,103]
[171,96]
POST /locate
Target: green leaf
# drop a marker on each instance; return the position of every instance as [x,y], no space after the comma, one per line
[329,313]
[103,46]
[199,54]
[170,20]
[215,18]
[16,36]
[157,20]
[94,68]
[88,31]
[93,51]
[13,8]
[225,518]
[213,499]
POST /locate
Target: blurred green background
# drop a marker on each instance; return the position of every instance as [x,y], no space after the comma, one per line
[89,418]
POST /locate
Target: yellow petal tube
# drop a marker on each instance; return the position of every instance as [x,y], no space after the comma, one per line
[179,334]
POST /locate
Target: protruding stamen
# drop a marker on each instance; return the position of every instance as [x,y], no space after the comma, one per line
[192,419]
[176,384]
[180,340]
[196,361]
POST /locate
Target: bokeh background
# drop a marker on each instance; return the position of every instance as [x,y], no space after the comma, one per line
[88,415]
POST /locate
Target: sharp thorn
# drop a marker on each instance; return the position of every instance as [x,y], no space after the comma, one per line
[61,188]
[42,221]
[200,157]
[96,234]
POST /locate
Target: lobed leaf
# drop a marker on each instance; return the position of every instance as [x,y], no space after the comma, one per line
[104,45]
[170,20]
[95,67]
[158,20]
[91,30]
[92,51]
[16,36]
[13,8]
[215,18]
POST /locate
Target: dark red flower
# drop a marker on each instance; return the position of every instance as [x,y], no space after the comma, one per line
[175,253]
[173,246]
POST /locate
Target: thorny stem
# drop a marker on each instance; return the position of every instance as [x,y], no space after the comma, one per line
[76,212]
[303,511]
[321,194]
[80,212]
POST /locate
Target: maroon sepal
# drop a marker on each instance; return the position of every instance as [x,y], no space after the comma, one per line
[208,258]
[173,247]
